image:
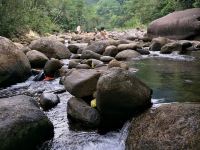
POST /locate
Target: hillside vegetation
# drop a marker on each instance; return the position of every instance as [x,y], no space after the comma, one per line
[47,16]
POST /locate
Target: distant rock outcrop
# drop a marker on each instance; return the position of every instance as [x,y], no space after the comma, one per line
[177,25]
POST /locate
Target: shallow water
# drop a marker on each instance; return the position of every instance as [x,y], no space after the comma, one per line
[66,138]
[173,78]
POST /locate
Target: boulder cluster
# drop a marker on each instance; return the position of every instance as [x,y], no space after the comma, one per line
[105,90]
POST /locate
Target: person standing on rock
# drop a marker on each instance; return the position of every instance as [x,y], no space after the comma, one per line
[78,29]
[103,33]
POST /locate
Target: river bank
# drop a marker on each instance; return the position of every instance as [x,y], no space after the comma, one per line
[173,77]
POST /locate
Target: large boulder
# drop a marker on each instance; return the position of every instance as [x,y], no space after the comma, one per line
[170,47]
[170,126]
[83,66]
[73,48]
[98,46]
[143,51]
[25,49]
[52,67]
[127,55]
[82,82]
[37,59]
[177,25]
[106,59]
[132,46]
[19,45]
[73,63]
[95,62]
[158,42]
[110,51]
[87,54]
[48,100]
[80,111]
[14,65]
[120,94]
[51,47]
[22,124]
[115,63]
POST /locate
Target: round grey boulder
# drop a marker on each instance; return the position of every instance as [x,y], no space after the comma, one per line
[51,47]
[131,46]
[106,59]
[92,62]
[87,54]
[115,63]
[179,25]
[120,95]
[14,65]
[98,46]
[127,55]
[80,111]
[48,100]
[23,124]
[110,51]
[25,49]
[157,43]
[37,59]
[170,47]
[82,82]
[73,48]
[52,66]
[73,63]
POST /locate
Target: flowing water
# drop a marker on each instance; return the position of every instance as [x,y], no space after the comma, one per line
[173,78]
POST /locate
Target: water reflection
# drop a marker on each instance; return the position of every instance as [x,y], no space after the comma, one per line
[171,80]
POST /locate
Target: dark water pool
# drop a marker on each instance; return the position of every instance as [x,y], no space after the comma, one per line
[172,80]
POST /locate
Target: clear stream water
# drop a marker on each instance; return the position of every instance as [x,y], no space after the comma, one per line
[173,78]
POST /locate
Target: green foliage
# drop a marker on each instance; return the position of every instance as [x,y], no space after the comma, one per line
[149,10]
[18,16]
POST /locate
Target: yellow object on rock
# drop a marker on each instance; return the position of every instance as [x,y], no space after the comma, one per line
[93,103]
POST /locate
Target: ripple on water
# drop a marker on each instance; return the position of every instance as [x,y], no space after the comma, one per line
[67,139]
[64,137]
[174,56]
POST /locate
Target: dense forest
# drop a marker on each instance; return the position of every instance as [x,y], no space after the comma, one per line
[47,16]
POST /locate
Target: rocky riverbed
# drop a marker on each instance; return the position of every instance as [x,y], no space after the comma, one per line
[79,91]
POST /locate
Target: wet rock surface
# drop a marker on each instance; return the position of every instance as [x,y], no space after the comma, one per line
[170,47]
[87,54]
[68,133]
[48,100]
[171,126]
[36,59]
[15,66]
[80,111]
[52,66]
[179,25]
[120,95]
[81,83]
[51,47]
[127,55]
[23,124]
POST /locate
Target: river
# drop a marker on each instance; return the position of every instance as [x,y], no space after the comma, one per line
[173,78]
